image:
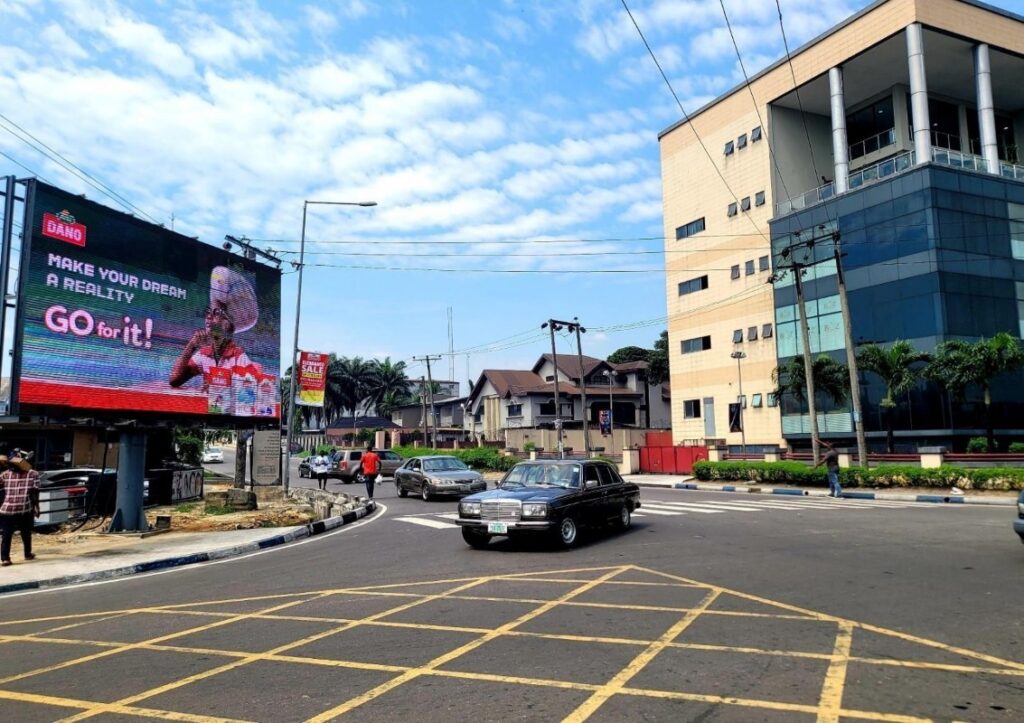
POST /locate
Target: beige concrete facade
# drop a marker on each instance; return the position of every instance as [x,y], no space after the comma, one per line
[693,168]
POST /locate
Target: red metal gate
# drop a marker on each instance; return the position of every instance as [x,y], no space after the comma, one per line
[670,460]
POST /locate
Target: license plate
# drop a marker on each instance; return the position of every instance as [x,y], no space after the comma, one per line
[497,528]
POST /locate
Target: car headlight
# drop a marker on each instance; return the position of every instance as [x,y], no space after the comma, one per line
[469,509]
[535,509]
[439,481]
[1020,509]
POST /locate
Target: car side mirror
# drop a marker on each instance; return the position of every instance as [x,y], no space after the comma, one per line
[590,483]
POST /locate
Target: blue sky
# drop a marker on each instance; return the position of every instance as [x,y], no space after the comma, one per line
[496,136]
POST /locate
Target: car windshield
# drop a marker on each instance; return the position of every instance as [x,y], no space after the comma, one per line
[443,464]
[564,475]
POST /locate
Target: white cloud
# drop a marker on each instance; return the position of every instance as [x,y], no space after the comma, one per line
[61,44]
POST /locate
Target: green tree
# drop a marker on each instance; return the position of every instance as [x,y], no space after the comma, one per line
[958,365]
[347,382]
[830,378]
[386,386]
[900,368]
[658,372]
[629,354]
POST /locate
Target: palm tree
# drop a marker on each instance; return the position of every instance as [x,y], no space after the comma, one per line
[347,379]
[830,378]
[899,367]
[387,385]
[959,364]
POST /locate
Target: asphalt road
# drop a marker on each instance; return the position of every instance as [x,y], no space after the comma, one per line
[711,607]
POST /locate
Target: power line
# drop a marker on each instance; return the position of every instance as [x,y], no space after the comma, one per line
[69,166]
[686,116]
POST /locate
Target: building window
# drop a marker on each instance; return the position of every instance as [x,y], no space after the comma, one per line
[690,229]
[766,331]
[755,402]
[700,343]
[1016,213]
[515,410]
[729,148]
[759,198]
[773,399]
[755,135]
[735,273]
[741,142]
[549,378]
[698,284]
[691,409]
[732,209]
[762,263]
[737,336]
[745,203]
[751,333]
[750,267]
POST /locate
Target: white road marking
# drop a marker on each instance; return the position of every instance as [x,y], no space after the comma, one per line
[427,522]
[678,507]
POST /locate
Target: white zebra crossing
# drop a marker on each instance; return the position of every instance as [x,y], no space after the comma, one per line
[677,508]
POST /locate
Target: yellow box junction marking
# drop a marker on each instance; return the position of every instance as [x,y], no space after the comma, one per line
[406,597]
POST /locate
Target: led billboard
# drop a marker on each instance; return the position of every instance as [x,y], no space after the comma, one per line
[119,314]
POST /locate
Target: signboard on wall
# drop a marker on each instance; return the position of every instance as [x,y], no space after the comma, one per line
[266,457]
[312,378]
[120,314]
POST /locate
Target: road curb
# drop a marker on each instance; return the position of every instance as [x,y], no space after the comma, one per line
[309,530]
[927,499]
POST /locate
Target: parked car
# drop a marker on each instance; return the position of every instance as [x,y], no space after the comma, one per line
[1018,524]
[73,477]
[213,454]
[349,464]
[437,476]
[554,498]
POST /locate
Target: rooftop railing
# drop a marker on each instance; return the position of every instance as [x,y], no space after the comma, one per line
[874,143]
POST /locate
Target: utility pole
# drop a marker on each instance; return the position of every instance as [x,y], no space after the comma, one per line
[430,390]
[851,359]
[552,325]
[740,400]
[423,408]
[798,270]
[578,328]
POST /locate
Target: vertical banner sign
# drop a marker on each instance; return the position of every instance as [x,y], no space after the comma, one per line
[266,457]
[312,378]
[120,314]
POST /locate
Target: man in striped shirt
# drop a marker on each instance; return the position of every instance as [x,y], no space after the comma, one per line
[21,503]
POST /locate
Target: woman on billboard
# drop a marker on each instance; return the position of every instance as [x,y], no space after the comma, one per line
[233,309]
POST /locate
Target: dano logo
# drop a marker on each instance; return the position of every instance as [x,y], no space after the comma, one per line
[63,226]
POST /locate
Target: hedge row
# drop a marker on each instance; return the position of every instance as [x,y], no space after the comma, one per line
[480,458]
[884,476]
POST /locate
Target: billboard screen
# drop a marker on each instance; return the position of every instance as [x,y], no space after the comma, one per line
[119,314]
[312,378]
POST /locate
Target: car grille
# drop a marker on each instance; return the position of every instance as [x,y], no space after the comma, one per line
[501,510]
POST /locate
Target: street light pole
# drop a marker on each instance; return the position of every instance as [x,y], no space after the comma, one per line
[738,355]
[553,326]
[293,387]
[608,373]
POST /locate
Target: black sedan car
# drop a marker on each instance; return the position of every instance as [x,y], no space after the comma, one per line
[437,476]
[551,497]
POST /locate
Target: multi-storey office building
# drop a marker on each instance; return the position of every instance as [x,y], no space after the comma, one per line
[897,129]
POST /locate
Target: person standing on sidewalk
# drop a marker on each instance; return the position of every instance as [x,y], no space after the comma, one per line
[831,461]
[321,466]
[20,505]
[371,468]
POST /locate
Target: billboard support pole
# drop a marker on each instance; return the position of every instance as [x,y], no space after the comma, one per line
[293,381]
[131,470]
[5,263]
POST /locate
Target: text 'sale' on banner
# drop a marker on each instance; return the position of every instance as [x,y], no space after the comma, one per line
[312,378]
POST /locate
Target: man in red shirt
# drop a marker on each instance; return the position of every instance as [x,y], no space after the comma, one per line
[21,503]
[371,468]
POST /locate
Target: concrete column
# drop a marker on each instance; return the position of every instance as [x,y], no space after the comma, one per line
[919,94]
[986,109]
[131,471]
[840,148]
[931,457]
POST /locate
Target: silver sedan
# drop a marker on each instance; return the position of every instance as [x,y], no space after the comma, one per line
[437,476]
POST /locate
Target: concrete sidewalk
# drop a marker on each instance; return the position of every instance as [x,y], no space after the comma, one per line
[101,556]
[911,494]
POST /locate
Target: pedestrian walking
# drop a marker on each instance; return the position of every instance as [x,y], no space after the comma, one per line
[831,461]
[321,466]
[371,468]
[20,506]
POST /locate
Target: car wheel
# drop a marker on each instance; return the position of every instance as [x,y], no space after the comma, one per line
[567,532]
[474,538]
[402,491]
[625,518]
[425,493]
